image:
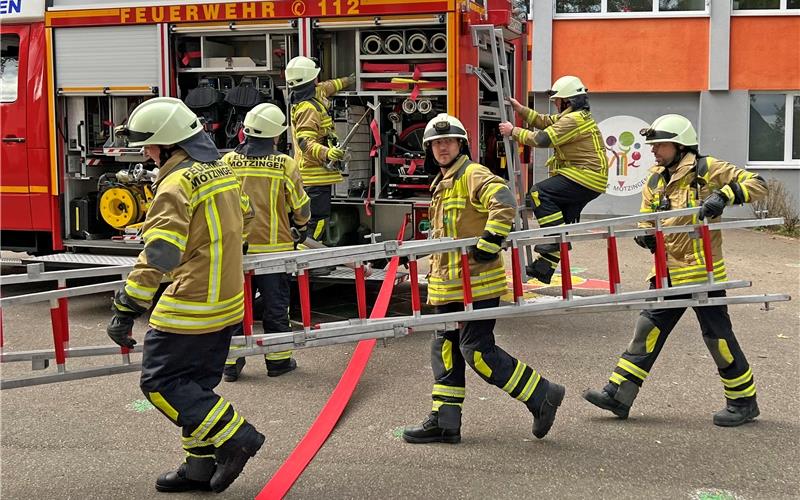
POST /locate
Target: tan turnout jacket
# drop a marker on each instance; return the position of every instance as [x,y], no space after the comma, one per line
[579,151]
[275,189]
[685,258]
[467,201]
[313,130]
[193,231]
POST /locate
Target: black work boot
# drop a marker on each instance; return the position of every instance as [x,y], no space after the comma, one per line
[231,372]
[545,415]
[549,247]
[199,471]
[234,454]
[321,271]
[733,415]
[278,368]
[541,269]
[430,432]
[604,400]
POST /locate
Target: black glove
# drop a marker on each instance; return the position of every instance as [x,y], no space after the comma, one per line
[125,311]
[713,205]
[245,247]
[647,241]
[299,234]
[119,329]
[488,247]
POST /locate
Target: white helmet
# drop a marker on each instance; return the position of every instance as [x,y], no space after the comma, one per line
[567,86]
[265,120]
[670,128]
[442,126]
[300,70]
[161,121]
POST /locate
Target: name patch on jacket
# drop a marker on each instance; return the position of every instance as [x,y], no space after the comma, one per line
[268,162]
[201,174]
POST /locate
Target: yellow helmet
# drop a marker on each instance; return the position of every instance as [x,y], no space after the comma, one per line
[161,121]
[670,128]
[300,70]
[567,86]
[265,120]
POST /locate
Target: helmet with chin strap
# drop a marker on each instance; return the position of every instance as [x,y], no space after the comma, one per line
[443,126]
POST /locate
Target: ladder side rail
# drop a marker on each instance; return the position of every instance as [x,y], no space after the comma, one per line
[265,345]
[501,86]
[357,327]
[32,298]
[89,272]
[522,237]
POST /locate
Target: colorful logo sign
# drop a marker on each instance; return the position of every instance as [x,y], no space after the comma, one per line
[629,158]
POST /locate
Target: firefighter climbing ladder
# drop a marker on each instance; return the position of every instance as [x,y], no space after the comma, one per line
[361,328]
[490,37]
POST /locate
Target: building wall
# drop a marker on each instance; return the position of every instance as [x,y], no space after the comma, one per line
[702,67]
[765,53]
[633,55]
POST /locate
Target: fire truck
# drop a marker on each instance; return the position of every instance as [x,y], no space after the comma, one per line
[73,70]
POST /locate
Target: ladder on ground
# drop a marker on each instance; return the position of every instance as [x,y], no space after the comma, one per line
[488,37]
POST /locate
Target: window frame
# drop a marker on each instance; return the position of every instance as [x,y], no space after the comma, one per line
[787,163]
[782,10]
[20,81]
[605,14]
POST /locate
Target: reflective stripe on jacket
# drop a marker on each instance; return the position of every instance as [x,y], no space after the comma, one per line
[313,132]
[275,189]
[467,201]
[691,182]
[193,231]
[579,149]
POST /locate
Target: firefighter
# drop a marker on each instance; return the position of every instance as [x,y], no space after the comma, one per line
[469,201]
[314,136]
[683,178]
[578,169]
[272,182]
[193,233]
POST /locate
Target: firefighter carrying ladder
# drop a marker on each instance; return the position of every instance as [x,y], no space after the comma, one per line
[360,328]
[488,37]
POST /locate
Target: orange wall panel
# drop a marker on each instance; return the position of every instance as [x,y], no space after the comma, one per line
[765,53]
[633,55]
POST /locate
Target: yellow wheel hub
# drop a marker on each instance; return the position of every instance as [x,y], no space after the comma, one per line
[119,207]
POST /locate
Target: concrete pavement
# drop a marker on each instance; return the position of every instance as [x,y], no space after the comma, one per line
[98,439]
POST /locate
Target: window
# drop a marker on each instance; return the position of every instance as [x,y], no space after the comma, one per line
[9,64]
[577,6]
[773,5]
[774,128]
[631,6]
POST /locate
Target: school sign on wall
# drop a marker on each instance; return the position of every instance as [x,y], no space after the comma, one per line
[629,158]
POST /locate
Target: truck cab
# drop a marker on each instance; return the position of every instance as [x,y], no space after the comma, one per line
[28,205]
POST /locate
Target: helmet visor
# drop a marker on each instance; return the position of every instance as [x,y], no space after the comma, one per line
[652,134]
[134,137]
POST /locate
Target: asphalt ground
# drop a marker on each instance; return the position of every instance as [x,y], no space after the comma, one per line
[99,439]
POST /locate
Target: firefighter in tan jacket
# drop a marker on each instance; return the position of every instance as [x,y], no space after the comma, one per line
[193,232]
[314,137]
[272,182]
[578,167]
[469,201]
[681,179]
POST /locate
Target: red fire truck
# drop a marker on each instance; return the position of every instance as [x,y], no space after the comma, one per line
[73,70]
